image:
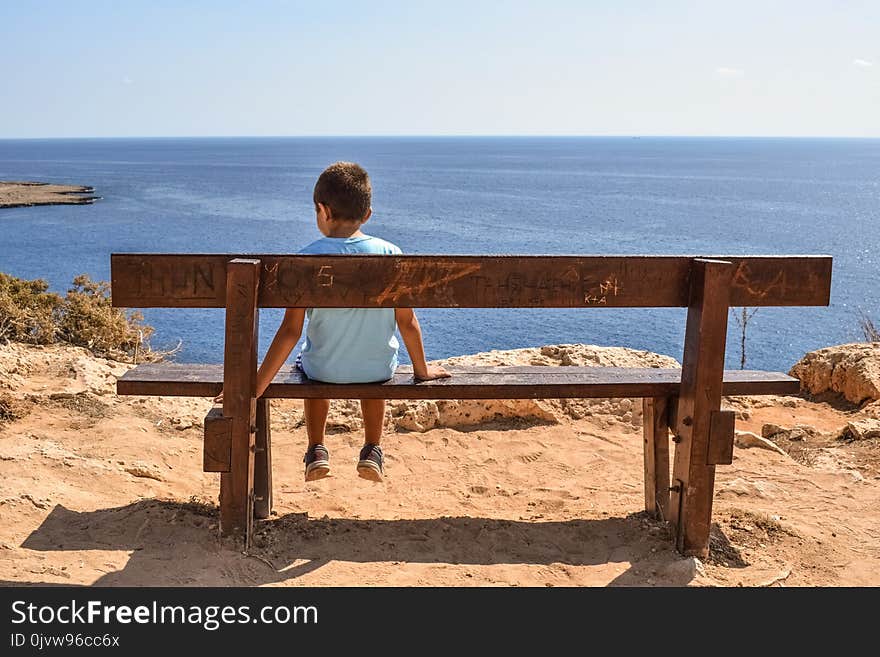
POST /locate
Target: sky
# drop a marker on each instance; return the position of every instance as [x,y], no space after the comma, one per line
[156,68]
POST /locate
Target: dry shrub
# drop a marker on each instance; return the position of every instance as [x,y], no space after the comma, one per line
[28,313]
[89,320]
[871,332]
[12,409]
[84,318]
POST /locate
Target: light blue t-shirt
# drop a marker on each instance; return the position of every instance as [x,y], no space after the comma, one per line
[350,345]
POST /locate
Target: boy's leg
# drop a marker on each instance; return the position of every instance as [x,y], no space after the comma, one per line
[373,411]
[316,411]
[317,458]
[371,462]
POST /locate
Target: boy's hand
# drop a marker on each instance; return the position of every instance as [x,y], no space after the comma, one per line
[431,372]
[219,398]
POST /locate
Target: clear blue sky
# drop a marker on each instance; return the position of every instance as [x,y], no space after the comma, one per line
[169,68]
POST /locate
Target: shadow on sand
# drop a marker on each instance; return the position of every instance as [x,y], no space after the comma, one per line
[176,544]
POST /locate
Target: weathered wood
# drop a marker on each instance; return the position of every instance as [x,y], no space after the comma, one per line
[700,395]
[239,396]
[263,461]
[656,437]
[435,281]
[517,382]
[672,405]
[721,432]
[217,452]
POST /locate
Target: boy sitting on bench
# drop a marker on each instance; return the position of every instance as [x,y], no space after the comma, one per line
[346,345]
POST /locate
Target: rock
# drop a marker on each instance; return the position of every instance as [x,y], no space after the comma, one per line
[798,432]
[144,470]
[852,370]
[40,504]
[181,424]
[684,571]
[746,439]
[872,410]
[422,416]
[757,488]
[770,429]
[864,429]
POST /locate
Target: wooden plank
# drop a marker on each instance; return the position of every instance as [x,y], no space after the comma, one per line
[263,461]
[450,281]
[518,382]
[217,452]
[239,397]
[672,405]
[656,438]
[700,395]
[721,434]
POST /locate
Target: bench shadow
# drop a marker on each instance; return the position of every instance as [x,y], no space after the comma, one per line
[176,544]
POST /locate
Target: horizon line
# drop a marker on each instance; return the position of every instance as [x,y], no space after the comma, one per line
[448,136]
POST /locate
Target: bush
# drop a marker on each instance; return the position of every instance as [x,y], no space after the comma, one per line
[84,317]
[28,313]
[871,332]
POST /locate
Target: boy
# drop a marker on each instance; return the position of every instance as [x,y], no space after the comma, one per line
[346,345]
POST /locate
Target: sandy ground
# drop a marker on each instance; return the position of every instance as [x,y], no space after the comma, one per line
[103,490]
[14,194]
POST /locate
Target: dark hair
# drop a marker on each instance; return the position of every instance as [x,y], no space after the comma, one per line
[344,187]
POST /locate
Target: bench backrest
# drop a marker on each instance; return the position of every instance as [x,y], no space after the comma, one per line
[446,281]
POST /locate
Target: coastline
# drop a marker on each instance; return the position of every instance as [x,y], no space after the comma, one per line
[19,194]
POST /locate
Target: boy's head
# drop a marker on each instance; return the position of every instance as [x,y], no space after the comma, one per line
[345,191]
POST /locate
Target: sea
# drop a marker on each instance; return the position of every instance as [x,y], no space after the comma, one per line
[473,195]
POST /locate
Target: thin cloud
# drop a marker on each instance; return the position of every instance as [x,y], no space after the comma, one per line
[127,80]
[727,72]
[862,63]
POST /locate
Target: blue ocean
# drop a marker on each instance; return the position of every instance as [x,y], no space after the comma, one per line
[473,195]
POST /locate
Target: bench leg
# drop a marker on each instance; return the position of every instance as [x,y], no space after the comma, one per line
[656,435]
[263,462]
[699,396]
[239,397]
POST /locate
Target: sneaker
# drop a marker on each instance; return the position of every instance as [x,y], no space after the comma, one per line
[370,463]
[317,460]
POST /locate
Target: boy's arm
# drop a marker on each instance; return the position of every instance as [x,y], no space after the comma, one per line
[411,333]
[285,340]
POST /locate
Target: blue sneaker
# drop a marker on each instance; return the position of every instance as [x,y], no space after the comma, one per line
[317,461]
[370,465]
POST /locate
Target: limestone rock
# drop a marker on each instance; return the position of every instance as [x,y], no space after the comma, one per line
[864,429]
[144,470]
[750,488]
[798,432]
[852,370]
[425,415]
[746,439]
[872,410]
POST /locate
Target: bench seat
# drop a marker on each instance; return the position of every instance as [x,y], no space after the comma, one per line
[498,382]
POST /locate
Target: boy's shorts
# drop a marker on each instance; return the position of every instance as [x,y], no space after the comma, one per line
[297,365]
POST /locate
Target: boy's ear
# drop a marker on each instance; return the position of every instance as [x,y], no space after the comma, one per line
[367,216]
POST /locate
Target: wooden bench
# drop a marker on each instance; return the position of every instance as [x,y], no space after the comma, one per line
[686,402]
